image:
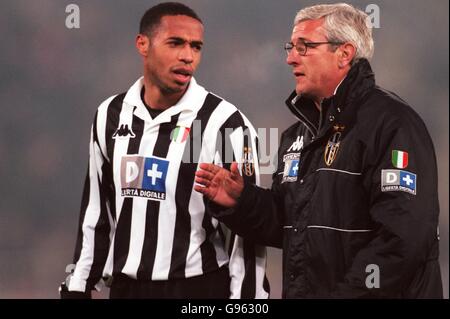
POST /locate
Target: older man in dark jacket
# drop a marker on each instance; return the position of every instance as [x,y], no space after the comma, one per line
[354,200]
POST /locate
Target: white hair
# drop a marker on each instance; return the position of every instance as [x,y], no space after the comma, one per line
[343,23]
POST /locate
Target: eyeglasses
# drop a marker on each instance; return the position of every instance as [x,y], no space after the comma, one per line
[302,46]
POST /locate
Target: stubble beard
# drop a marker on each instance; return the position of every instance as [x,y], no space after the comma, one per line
[165,88]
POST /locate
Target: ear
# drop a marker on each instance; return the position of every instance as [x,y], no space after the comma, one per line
[347,52]
[142,44]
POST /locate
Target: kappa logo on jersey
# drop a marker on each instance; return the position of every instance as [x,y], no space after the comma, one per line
[144,177]
[394,180]
[123,132]
[291,165]
[297,146]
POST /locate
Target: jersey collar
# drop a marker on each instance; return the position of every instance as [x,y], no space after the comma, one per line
[190,102]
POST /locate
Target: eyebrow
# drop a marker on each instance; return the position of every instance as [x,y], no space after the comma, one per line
[195,42]
[304,39]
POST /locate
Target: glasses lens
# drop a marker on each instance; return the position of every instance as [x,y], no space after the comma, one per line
[300,46]
[288,47]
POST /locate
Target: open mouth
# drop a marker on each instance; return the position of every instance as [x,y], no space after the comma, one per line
[298,74]
[182,75]
[183,72]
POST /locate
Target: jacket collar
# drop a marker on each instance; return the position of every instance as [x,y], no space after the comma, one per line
[190,102]
[341,107]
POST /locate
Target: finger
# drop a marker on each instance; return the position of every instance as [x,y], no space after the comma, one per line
[203,190]
[202,181]
[200,189]
[209,167]
[235,175]
[204,174]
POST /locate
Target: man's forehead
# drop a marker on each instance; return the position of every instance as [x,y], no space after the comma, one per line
[181,26]
[308,28]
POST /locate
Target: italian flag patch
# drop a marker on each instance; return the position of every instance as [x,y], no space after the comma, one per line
[179,134]
[399,159]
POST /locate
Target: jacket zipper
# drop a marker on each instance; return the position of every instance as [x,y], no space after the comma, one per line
[302,118]
[320,117]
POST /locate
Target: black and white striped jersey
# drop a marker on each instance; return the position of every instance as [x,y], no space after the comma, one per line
[140,215]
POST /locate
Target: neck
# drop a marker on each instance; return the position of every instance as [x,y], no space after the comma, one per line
[330,92]
[159,99]
[318,103]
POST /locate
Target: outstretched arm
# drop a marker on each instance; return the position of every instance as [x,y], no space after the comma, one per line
[250,211]
[220,185]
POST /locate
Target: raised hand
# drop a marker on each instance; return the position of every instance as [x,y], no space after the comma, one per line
[218,184]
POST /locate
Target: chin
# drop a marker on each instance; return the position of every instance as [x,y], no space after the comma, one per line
[301,91]
[175,88]
[180,86]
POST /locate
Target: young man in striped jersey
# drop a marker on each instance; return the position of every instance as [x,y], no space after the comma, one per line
[141,223]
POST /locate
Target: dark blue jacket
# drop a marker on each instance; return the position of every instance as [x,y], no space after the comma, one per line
[354,201]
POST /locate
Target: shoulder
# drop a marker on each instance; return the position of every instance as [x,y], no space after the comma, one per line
[384,117]
[225,105]
[109,108]
[232,115]
[114,101]
[386,109]
[107,112]
[292,131]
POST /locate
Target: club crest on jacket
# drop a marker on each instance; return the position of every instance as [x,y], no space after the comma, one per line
[247,163]
[333,144]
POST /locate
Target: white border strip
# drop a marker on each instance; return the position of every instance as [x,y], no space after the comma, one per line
[338,170]
[342,230]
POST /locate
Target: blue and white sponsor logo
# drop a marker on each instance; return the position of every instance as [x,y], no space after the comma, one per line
[408,180]
[293,171]
[394,180]
[144,177]
[291,166]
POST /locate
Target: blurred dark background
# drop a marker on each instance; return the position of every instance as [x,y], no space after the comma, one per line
[53,78]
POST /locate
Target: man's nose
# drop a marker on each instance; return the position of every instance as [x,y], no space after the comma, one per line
[186,54]
[293,58]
